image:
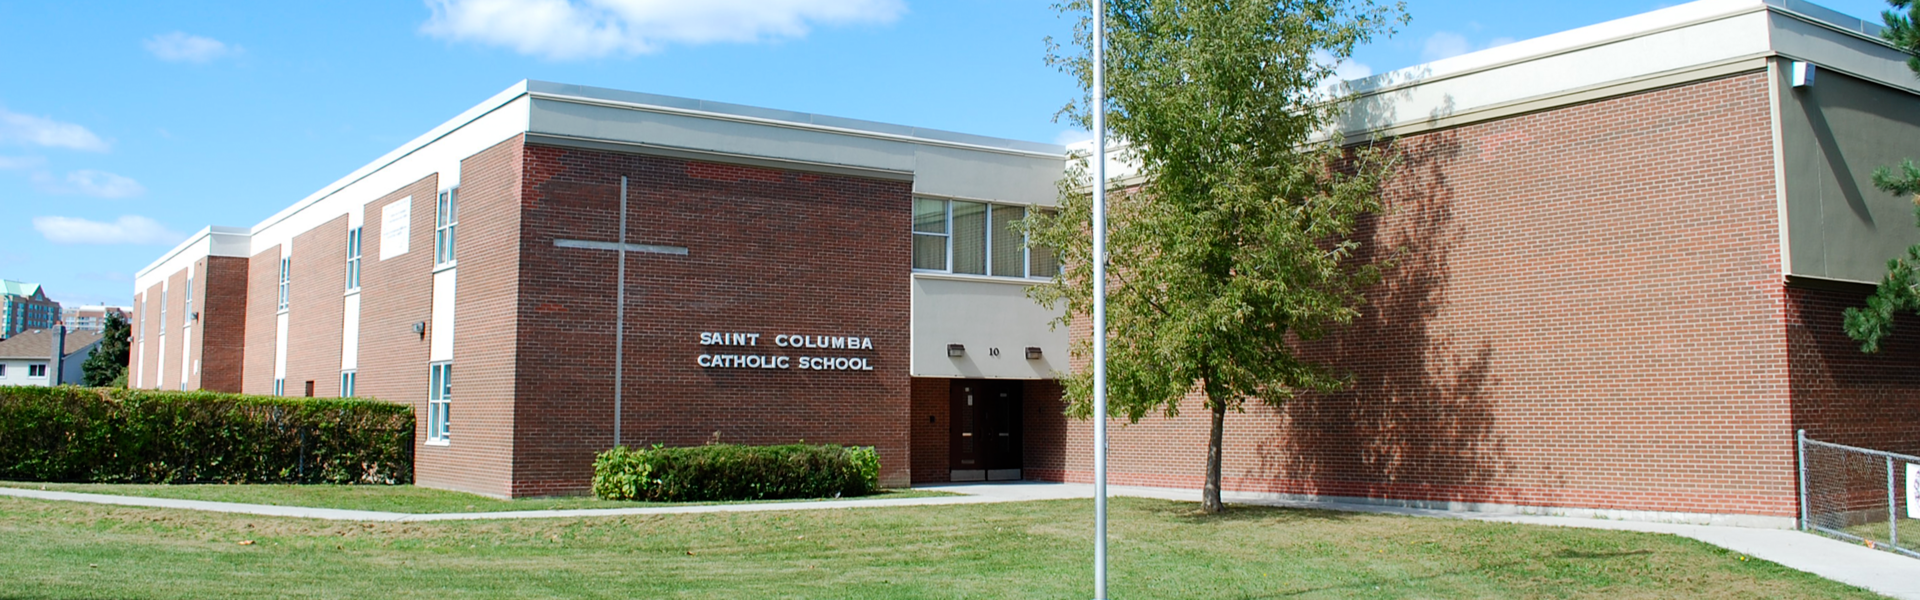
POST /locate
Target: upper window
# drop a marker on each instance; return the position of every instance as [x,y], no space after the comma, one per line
[36,370]
[976,238]
[446,219]
[286,277]
[353,259]
[163,312]
[186,310]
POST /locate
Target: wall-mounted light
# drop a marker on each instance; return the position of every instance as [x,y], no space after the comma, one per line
[1033,353]
[196,315]
[956,350]
[1802,73]
[421,328]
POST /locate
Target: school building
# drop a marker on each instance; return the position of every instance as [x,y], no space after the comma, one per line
[1622,255]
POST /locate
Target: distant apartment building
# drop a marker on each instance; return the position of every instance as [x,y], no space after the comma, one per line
[24,306]
[91,318]
[28,357]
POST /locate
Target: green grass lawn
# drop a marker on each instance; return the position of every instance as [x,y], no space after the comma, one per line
[390,498]
[1160,549]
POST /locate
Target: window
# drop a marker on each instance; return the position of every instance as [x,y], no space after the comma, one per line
[353,260]
[976,238]
[346,381]
[439,397]
[446,217]
[286,277]
[187,309]
[3,369]
[36,370]
[279,387]
[163,312]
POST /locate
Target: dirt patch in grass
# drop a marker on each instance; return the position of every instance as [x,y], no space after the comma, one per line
[1018,550]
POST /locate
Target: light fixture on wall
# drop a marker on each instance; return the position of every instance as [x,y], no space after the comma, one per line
[956,350]
[1033,353]
[421,328]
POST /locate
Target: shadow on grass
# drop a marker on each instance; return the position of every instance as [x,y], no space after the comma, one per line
[1579,554]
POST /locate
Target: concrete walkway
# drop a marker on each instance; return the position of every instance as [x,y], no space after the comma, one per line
[1882,572]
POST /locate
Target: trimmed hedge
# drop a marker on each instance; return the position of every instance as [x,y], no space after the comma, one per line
[735,472]
[107,435]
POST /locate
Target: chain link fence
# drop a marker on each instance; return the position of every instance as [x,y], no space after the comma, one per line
[1866,496]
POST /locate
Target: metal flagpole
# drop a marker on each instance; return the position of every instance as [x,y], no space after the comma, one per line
[1100,299]
[620,318]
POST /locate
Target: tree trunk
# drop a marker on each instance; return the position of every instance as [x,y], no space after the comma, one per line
[1210,495]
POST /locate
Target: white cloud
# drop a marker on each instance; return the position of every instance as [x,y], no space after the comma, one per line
[42,131]
[101,184]
[576,29]
[1444,44]
[129,229]
[1072,136]
[181,47]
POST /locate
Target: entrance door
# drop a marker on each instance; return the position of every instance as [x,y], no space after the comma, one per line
[985,430]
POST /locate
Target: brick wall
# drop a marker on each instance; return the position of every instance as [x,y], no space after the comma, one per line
[395,294]
[1840,394]
[482,410]
[932,401]
[1586,312]
[263,325]
[176,298]
[221,333]
[770,251]
[316,307]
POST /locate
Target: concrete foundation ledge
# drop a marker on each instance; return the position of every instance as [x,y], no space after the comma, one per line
[1465,509]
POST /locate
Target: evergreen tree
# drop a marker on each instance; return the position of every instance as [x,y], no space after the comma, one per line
[108,363]
[1899,290]
[1235,243]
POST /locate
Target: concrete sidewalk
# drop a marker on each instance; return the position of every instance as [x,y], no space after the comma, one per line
[1882,572]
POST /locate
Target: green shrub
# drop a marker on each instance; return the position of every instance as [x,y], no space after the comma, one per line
[735,472]
[143,436]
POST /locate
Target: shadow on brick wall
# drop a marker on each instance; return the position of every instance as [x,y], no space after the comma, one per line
[1417,420]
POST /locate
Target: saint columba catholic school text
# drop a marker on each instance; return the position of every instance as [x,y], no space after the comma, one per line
[1621,256]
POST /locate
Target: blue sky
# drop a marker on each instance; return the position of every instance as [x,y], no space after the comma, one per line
[125,126]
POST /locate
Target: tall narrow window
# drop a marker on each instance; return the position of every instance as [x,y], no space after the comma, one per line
[439,400]
[186,311]
[1009,242]
[163,312]
[969,237]
[346,383]
[446,218]
[286,276]
[280,387]
[353,259]
[930,234]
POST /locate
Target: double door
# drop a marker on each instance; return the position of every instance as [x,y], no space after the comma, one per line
[985,430]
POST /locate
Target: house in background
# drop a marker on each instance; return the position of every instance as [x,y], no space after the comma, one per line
[25,306]
[92,317]
[27,358]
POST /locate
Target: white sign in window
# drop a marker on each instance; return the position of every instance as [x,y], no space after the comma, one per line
[396,225]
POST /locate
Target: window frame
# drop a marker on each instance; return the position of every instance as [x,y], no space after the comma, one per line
[1026,244]
[439,403]
[348,377]
[446,224]
[280,386]
[286,278]
[353,259]
[186,304]
[32,368]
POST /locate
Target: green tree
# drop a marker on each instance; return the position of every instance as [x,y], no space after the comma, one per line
[1899,290]
[1234,244]
[108,363]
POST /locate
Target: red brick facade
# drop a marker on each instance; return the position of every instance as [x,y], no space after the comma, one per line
[221,331]
[1588,310]
[263,321]
[769,251]
[315,309]
[396,294]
